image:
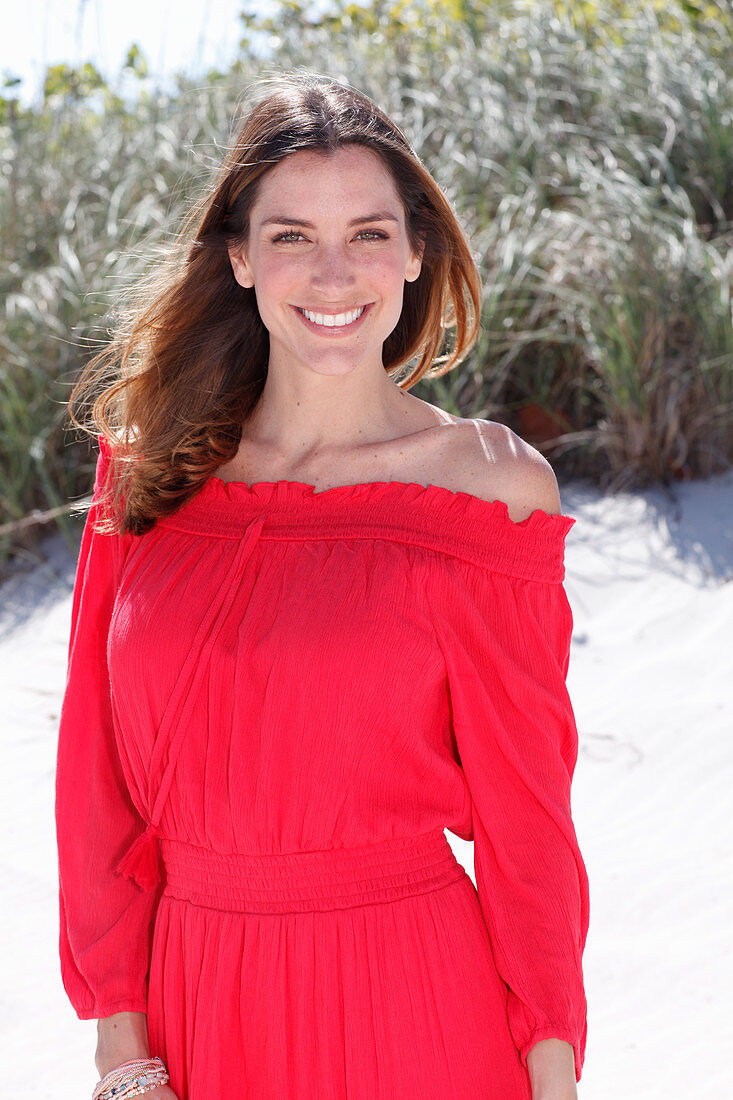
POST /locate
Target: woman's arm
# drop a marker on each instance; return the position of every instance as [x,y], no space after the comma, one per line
[551,1066]
[105,919]
[504,629]
[121,1038]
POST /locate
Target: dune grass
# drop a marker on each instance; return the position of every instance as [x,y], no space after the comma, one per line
[590,160]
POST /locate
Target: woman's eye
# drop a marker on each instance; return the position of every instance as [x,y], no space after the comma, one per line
[284,236]
[292,235]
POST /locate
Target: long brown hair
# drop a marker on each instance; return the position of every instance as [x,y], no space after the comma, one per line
[188,361]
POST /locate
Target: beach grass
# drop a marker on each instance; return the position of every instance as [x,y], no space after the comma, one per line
[589,159]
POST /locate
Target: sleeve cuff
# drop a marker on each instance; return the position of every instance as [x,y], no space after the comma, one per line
[99,1012]
[554,1031]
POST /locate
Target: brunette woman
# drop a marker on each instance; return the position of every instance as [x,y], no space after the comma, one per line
[317,621]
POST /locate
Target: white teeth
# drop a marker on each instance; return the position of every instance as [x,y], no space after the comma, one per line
[330,320]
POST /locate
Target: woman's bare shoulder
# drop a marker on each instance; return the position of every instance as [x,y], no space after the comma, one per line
[492,462]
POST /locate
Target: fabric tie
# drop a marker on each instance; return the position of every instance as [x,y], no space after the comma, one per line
[141,861]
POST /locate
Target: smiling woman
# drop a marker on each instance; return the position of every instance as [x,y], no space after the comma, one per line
[321,208]
[328,292]
[278,699]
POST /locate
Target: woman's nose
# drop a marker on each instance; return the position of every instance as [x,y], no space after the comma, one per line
[333,269]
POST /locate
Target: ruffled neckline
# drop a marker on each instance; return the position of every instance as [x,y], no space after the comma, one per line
[284,493]
[447,521]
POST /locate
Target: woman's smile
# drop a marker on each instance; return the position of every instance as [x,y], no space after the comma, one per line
[333,324]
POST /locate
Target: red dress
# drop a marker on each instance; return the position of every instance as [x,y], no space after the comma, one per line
[277,700]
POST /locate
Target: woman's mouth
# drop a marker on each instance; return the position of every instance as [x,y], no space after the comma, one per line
[333,323]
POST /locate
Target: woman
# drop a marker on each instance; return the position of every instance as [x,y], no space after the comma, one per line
[316,621]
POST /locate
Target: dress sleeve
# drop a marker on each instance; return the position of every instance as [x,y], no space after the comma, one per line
[105,918]
[507,659]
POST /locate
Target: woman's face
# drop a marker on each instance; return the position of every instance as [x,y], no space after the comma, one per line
[328,257]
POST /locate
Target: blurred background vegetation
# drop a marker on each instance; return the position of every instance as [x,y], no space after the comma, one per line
[586,146]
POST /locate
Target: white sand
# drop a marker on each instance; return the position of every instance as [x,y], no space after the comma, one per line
[649,578]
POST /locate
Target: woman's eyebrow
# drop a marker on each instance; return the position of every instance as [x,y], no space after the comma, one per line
[380,216]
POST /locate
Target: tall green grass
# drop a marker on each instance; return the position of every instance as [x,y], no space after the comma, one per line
[591,162]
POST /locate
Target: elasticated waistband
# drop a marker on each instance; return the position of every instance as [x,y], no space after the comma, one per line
[296,882]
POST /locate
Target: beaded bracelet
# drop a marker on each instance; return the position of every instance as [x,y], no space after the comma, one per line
[131,1078]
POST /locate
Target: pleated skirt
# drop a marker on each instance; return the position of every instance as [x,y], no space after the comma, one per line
[344,974]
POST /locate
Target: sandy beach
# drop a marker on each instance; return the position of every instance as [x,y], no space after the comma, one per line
[649,576]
